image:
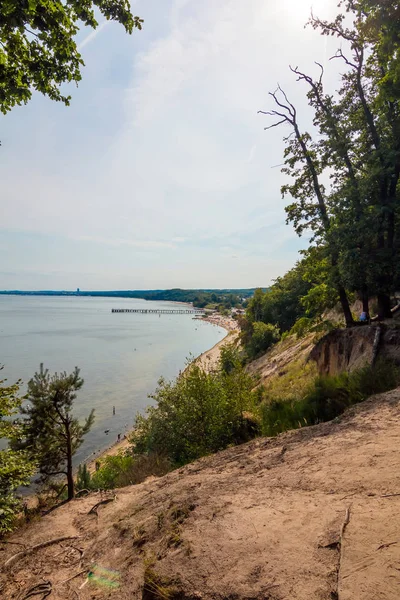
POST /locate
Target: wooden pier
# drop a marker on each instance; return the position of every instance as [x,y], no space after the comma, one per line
[168,311]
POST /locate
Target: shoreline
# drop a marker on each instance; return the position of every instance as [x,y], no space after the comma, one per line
[208,360]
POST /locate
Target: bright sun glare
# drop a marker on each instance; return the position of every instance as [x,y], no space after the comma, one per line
[301,9]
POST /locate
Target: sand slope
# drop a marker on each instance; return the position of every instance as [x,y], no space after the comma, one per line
[262,520]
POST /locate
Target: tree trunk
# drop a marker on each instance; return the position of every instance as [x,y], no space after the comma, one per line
[345,306]
[70,478]
[384,311]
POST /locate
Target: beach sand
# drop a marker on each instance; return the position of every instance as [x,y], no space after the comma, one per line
[208,361]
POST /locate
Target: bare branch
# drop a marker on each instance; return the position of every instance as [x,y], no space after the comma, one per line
[293,112]
[322,72]
[301,75]
[276,124]
[287,138]
[339,54]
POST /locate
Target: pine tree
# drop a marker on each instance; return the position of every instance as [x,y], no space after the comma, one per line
[52,434]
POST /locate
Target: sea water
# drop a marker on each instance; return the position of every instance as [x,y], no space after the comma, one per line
[121,355]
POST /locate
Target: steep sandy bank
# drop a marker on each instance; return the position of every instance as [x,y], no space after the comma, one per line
[280,356]
[349,349]
[263,520]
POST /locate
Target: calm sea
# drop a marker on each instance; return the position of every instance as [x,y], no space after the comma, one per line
[121,356]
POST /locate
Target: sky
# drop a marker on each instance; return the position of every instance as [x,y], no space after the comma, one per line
[160,174]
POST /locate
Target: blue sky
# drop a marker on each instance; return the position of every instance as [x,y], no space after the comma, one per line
[160,173]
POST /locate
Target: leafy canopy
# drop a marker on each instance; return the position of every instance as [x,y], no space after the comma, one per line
[38,50]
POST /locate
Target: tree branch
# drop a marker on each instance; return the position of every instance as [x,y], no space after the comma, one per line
[339,54]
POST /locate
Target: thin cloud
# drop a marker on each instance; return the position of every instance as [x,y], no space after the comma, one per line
[142,244]
[90,37]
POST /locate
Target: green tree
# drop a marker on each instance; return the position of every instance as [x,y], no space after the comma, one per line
[369,106]
[309,209]
[197,414]
[51,433]
[38,50]
[355,141]
[15,466]
[264,336]
[229,359]
[282,303]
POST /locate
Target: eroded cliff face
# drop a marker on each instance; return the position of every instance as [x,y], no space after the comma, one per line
[350,349]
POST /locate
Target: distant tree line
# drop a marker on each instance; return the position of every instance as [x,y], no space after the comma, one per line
[200,298]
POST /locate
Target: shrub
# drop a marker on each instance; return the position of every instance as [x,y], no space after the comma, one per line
[15,465]
[230,358]
[196,414]
[301,327]
[281,415]
[382,377]
[125,469]
[263,337]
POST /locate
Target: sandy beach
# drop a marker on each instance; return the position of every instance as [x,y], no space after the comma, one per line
[208,361]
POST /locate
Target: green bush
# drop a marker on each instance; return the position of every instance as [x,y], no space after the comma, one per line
[264,335]
[197,414]
[125,469]
[327,397]
[301,327]
[230,358]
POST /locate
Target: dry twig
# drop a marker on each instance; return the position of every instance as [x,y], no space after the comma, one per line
[13,543]
[389,495]
[386,545]
[73,576]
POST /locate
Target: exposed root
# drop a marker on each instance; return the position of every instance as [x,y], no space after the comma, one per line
[13,559]
[44,589]
[340,546]
[81,492]
[94,508]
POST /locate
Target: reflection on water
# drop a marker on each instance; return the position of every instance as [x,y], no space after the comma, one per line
[121,355]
